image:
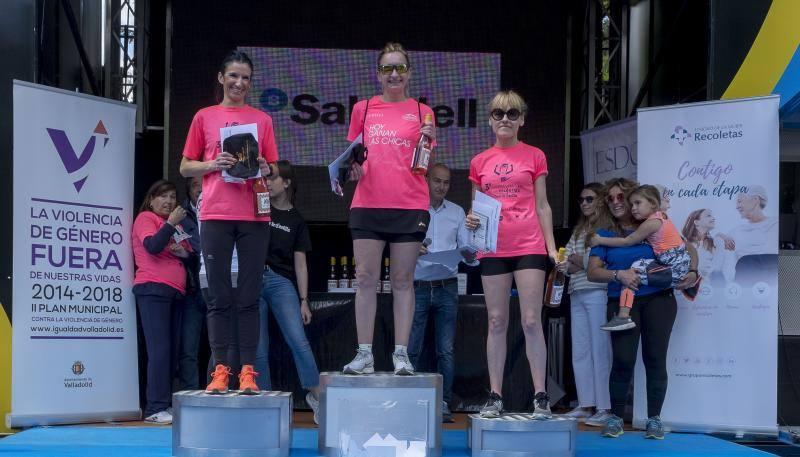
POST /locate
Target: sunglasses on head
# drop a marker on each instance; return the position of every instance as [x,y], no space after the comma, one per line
[620,198]
[498,114]
[388,69]
[588,199]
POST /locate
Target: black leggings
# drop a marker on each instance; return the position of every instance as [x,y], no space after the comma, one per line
[252,241]
[654,315]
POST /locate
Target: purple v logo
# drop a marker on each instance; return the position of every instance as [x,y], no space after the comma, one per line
[72,161]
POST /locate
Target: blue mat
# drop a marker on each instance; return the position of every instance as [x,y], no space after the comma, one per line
[103,441]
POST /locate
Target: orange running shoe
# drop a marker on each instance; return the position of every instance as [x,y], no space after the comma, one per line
[247,381]
[219,380]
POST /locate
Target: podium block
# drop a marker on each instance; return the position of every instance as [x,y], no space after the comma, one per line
[519,435]
[380,415]
[231,424]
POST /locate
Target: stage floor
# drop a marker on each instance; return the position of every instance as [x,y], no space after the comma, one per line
[124,441]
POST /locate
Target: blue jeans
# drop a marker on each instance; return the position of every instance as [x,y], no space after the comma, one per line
[442,302]
[194,317]
[279,295]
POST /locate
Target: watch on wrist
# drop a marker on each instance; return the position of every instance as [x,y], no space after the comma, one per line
[615,276]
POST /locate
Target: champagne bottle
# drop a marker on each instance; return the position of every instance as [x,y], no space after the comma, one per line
[261,197]
[386,283]
[344,280]
[423,152]
[353,279]
[332,282]
[555,283]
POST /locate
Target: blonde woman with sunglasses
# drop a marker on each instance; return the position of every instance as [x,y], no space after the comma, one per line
[390,204]
[514,173]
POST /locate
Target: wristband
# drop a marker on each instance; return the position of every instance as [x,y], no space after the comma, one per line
[304,299]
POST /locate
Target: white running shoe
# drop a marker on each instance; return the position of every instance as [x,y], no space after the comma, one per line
[160,418]
[362,364]
[314,404]
[402,365]
[579,414]
[599,419]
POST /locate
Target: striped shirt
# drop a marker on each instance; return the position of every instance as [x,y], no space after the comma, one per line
[578,280]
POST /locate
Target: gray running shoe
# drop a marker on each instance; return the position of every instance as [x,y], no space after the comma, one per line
[447,415]
[402,365]
[613,427]
[541,407]
[493,406]
[599,419]
[362,364]
[654,429]
[618,323]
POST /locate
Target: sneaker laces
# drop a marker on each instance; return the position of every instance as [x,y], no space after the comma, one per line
[541,400]
[654,422]
[220,371]
[494,396]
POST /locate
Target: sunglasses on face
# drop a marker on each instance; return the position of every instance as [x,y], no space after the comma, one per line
[588,200]
[401,68]
[620,198]
[498,114]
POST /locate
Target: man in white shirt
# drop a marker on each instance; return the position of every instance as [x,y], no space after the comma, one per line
[435,284]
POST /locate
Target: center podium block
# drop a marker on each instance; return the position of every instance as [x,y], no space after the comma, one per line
[231,424]
[519,435]
[380,415]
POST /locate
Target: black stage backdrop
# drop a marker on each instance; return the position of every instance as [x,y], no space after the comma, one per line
[529,36]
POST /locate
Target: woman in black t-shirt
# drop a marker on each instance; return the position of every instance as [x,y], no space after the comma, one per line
[286,275]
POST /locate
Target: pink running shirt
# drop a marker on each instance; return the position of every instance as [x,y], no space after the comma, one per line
[507,175]
[162,268]
[391,132]
[221,200]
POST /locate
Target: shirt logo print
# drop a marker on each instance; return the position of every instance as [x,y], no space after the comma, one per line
[503,170]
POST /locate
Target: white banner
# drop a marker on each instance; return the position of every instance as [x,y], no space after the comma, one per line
[609,151]
[74,355]
[719,164]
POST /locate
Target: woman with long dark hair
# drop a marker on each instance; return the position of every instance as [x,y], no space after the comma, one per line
[654,310]
[230,219]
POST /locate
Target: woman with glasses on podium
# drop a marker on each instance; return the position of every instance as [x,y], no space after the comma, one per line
[390,204]
[515,174]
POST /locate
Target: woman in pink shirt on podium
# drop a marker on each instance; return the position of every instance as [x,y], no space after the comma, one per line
[514,173]
[229,219]
[390,204]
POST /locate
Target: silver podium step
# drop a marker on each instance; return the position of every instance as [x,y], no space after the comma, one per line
[231,424]
[519,435]
[380,415]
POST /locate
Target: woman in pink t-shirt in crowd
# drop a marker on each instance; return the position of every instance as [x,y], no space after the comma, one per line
[514,173]
[159,287]
[390,204]
[229,220]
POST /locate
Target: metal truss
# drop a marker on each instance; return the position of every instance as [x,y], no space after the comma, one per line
[126,44]
[605,62]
